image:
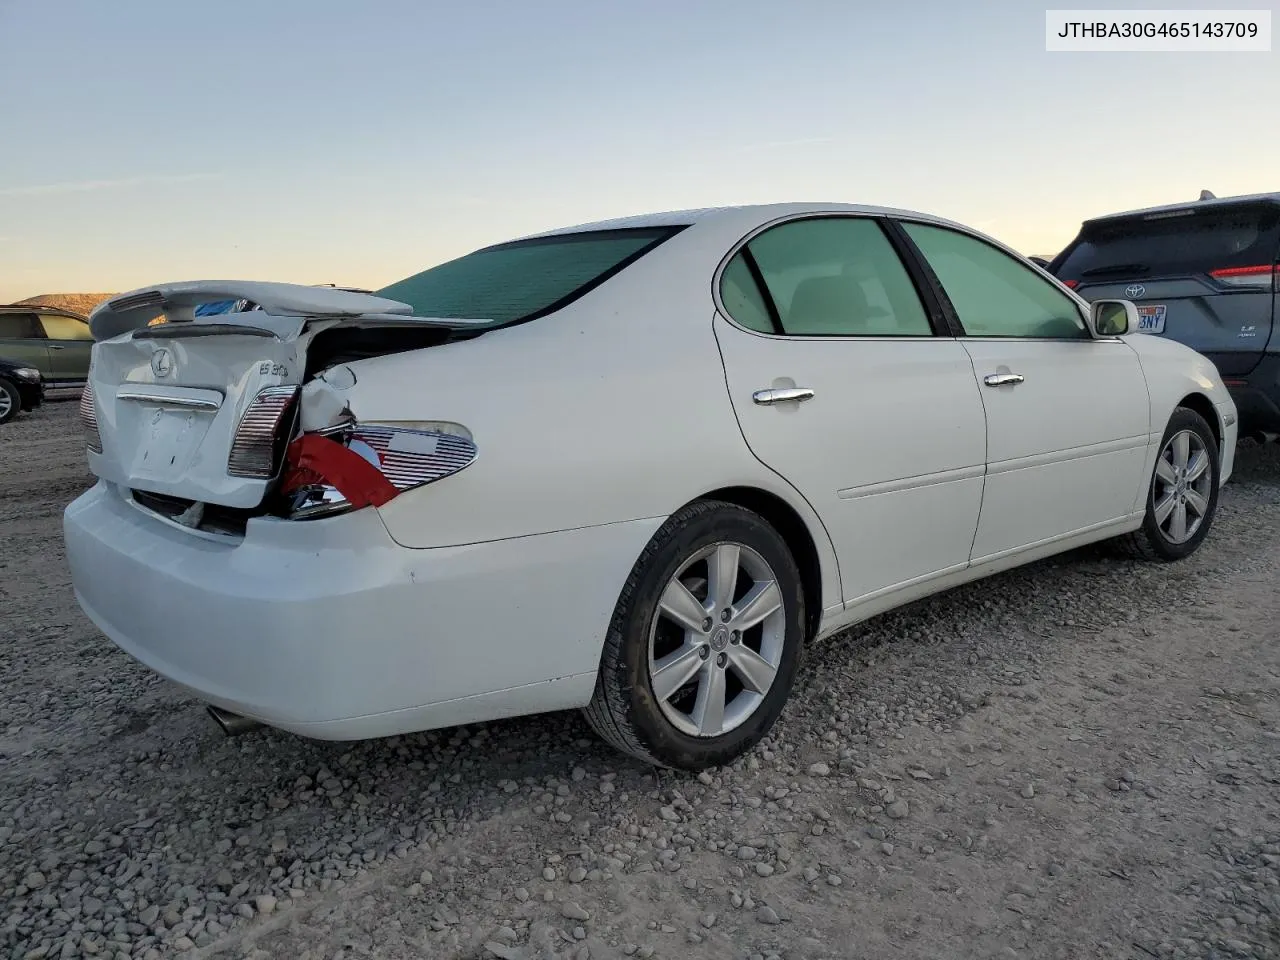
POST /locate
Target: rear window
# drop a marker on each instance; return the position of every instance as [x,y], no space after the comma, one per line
[1242,236]
[524,279]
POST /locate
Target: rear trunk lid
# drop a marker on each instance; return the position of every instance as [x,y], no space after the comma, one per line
[199,408]
[1203,274]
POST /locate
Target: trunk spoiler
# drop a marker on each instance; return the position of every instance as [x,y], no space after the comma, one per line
[285,308]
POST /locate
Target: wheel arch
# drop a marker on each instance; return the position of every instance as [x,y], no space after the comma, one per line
[793,529]
[1204,406]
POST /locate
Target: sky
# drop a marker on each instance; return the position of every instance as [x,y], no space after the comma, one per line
[335,141]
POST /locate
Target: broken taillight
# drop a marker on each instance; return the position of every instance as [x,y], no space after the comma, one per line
[362,465]
[262,433]
[89,419]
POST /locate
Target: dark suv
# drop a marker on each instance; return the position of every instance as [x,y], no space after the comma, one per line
[55,342]
[1203,273]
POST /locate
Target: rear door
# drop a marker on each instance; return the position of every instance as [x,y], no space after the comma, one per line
[1201,275]
[69,343]
[22,339]
[886,438]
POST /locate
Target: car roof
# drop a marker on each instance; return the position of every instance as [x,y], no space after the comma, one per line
[40,308]
[1209,204]
[744,214]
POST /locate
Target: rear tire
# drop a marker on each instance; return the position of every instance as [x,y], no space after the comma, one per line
[10,401]
[698,660]
[1181,502]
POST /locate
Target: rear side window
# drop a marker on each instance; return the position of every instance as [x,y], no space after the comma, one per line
[65,328]
[19,326]
[525,278]
[742,297]
[1187,244]
[825,276]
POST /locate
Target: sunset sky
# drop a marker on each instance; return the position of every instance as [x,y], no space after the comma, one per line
[355,143]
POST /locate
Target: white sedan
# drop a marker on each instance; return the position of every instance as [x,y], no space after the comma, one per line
[632,467]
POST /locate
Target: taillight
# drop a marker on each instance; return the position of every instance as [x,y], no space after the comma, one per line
[1260,277]
[89,419]
[262,434]
[1072,283]
[368,464]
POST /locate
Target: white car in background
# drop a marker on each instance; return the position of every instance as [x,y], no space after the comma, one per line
[632,467]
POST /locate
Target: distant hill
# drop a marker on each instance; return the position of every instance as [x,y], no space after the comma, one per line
[80,303]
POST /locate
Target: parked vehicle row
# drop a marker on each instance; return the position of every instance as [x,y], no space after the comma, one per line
[633,467]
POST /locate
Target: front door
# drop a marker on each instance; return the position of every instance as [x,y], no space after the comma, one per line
[842,386]
[1067,415]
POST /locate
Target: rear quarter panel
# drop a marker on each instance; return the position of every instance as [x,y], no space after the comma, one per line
[613,409]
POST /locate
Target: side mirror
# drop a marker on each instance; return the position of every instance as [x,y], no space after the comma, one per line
[1113,318]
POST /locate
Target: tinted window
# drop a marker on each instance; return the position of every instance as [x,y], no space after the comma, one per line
[742,297]
[65,328]
[19,326]
[994,294]
[525,278]
[836,276]
[1238,236]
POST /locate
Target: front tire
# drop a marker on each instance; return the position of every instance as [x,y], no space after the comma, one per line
[704,643]
[1182,494]
[10,401]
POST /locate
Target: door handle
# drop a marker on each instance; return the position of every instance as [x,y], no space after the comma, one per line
[781,395]
[1002,379]
[56,346]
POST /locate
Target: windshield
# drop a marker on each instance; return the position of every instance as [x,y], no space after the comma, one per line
[1240,236]
[524,279]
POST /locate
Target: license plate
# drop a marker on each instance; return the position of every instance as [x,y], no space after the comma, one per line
[1151,318]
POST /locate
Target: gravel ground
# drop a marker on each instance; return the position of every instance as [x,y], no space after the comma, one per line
[1078,759]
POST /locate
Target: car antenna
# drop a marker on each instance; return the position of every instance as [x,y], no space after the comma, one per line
[1207,195]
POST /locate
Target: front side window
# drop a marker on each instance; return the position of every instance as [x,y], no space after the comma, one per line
[19,326]
[525,278]
[65,328]
[995,295]
[824,276]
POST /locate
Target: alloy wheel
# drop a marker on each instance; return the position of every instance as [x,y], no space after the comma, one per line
[1182,486]
[716,640]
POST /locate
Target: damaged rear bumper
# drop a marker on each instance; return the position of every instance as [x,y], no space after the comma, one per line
[330,629]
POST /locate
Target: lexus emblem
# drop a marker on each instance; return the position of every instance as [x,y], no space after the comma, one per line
[162,362]
[1134,290]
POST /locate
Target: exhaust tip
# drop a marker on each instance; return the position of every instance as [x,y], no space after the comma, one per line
[232,724]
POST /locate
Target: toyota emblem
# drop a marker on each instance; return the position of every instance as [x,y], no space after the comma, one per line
[1134,290]
[162,362]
